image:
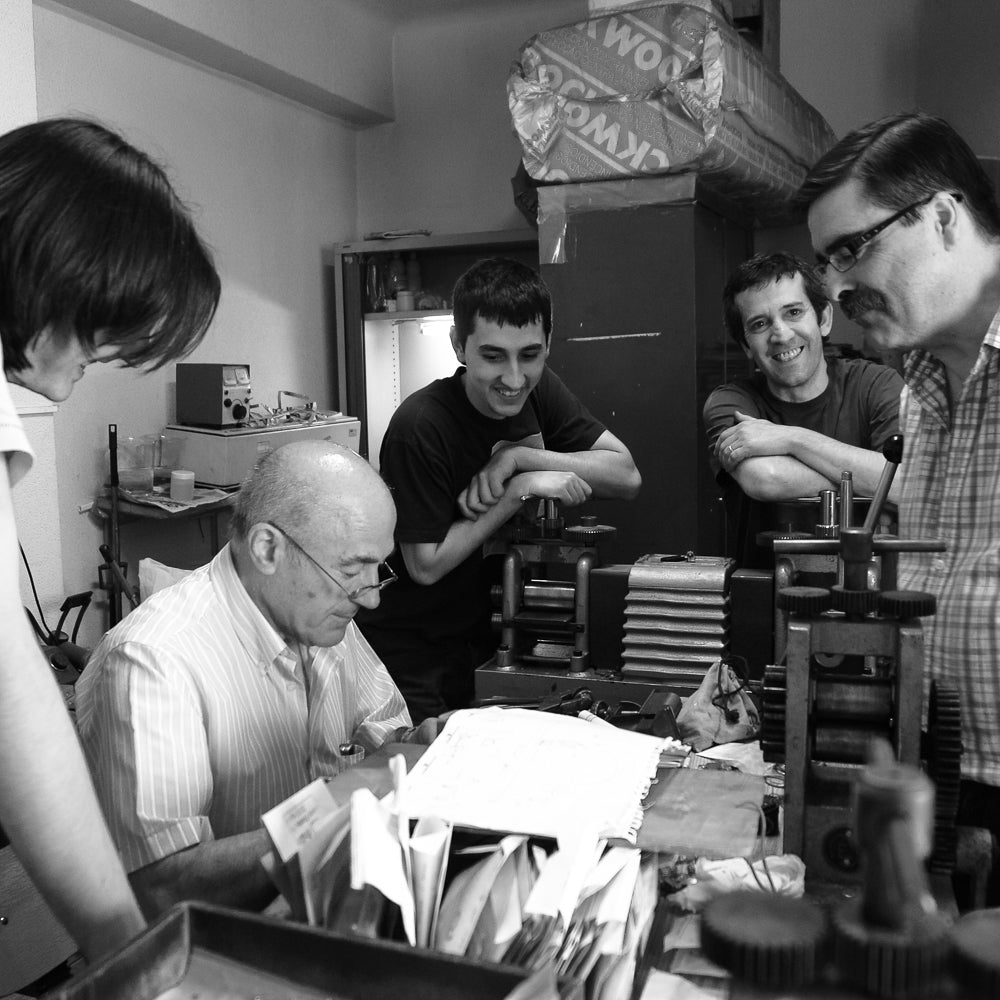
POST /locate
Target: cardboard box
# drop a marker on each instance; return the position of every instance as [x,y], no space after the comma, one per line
[223,457]
[664,89]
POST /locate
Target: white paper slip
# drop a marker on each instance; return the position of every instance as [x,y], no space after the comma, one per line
[292,822]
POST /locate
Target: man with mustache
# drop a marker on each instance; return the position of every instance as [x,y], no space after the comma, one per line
[801,419]
[906,227]
[459,456]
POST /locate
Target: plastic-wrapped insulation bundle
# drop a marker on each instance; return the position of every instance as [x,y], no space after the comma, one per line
[658,90]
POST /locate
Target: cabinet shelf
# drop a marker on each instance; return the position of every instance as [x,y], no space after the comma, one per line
[396,317]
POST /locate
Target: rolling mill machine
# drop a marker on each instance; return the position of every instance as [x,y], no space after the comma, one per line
[627,636]
[849,670]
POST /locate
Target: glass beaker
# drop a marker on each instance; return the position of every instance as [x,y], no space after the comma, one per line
[374,285]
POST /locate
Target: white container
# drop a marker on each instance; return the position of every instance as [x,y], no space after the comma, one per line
[182,485]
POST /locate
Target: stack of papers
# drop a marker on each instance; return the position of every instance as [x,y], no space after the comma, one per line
[521,771]
[310,860]
[559,887]
[582,909]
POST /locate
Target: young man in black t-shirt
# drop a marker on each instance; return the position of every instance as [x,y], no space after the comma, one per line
[459,455]
[801,419]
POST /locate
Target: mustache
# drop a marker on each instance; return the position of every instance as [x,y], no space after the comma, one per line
[857,303]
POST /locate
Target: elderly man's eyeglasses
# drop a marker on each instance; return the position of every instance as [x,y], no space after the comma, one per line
[844,255]
[385,571]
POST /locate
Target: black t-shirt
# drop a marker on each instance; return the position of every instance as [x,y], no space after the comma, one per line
[435,443]
[859,407]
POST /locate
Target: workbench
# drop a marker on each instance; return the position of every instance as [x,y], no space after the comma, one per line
[228,940]
[126,511]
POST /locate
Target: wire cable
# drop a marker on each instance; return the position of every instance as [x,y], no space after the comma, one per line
[42,636]
[760,839]
[34,591]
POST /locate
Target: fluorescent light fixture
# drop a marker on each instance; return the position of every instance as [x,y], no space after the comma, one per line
[436,326]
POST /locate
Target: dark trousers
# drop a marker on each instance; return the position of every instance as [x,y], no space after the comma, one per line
[433,675]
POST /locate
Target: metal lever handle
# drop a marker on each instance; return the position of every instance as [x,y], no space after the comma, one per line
[893,452]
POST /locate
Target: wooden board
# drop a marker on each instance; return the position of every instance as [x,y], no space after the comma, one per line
[702,813]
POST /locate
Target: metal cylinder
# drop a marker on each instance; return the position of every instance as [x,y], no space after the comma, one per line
[512,566]
[845,744]
[549,594]
[827,525]
[552,522]
[581,642]
[846,500]
[865,701]
[856,553]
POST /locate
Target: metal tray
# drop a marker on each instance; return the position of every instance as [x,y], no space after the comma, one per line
[201,952]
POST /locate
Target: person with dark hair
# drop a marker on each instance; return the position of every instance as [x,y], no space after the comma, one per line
[220,696]
[800,419]
[99,261]
[906,228]
[460,455]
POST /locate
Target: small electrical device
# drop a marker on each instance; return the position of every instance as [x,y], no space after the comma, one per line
[213,395]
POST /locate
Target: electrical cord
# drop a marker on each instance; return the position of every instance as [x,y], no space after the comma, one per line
[761,841]
[722,697]
[38,604]
[38,628]
[47,636]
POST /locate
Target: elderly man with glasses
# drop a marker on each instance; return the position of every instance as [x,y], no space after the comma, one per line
[904,220]
[219,697]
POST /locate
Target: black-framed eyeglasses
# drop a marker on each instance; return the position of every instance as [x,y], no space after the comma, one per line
[844,254]
[386,574]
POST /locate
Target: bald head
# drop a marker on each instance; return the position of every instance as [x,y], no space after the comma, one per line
[312,525]
[306,483]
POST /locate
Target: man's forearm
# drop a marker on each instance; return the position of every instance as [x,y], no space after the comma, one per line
[830,458]
[612,475]
[227,872]
[48,807]
[428,562]
[770,478]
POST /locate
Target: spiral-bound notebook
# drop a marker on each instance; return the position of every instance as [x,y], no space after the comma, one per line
[522,771]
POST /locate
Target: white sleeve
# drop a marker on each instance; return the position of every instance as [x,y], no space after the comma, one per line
[13,441]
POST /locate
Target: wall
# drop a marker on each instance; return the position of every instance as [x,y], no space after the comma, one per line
[853,60]
[446,161]
[17,64]
[333,57]
[957,68]
[270,182]
[878,42]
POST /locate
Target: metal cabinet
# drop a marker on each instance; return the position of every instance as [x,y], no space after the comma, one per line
[639,338]
[383,356]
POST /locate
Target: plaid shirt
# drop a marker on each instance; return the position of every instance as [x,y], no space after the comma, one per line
[950,490]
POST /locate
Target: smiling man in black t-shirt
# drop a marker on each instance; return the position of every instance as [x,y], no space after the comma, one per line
[459,455]
[801,419]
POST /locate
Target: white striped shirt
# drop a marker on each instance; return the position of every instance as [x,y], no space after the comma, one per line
[196,718]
